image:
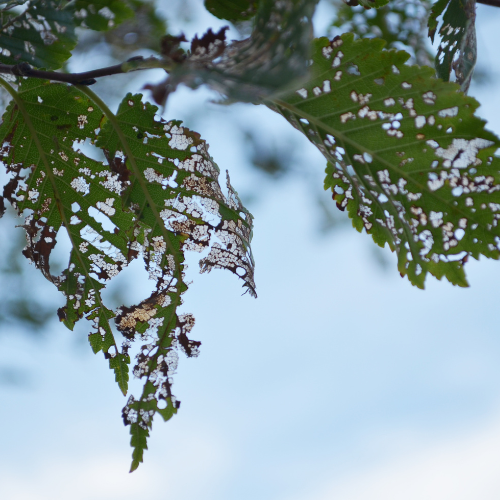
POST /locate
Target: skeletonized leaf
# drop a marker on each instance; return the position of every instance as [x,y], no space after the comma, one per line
[457,51]
[407,157]
[158,196]
[183,209]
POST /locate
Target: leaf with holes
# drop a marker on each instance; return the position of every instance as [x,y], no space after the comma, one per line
[458,49]
[406,155]
[158,196]
[58,188]
[43,35]
[179,206]
[43,32]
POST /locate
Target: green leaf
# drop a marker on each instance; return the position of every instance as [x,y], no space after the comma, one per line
[176,197]
[232,10]
[407,157]
[458,49]
[158,196]
[42,35]
[65,190]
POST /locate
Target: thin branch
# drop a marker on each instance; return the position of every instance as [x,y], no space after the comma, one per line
[493,3]
[85,78]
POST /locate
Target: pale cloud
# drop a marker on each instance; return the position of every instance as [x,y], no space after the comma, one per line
[462,467]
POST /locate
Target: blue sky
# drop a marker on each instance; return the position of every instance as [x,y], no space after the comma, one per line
[341,381]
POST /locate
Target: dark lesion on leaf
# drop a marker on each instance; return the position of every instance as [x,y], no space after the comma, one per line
[211,45]
[118,165]
[171,47]
[39,246]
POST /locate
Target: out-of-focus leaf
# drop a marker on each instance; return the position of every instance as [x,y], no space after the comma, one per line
[457,51]
[400,23]
[102,15]
[232,10]
[143,30]
[367,4]
[407,157]
[274,57]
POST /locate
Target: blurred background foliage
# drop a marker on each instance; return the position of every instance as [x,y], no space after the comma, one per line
[28,302]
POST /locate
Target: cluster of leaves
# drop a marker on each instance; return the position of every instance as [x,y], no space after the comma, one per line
[405,156]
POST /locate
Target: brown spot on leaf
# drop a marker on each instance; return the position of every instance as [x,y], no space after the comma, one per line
[211,45]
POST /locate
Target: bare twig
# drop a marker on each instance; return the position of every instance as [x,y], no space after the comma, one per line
[85,78]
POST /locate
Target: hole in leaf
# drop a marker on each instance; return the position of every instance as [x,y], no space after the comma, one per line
[353,69]
[129,287]
[89,150]
[107,225]
[58,258]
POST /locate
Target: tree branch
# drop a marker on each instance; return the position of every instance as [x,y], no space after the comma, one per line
[85,78]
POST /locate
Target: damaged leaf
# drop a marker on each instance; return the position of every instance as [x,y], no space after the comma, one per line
[158,196]
[268,62]
[58,188]
[42,34]
[406,156]
[179,206]
[457,51]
